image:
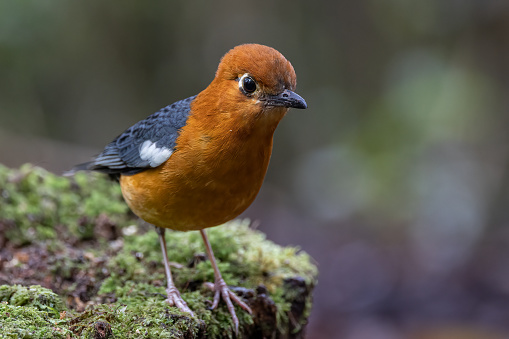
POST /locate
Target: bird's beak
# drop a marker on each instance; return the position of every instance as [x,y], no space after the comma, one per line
[286,98]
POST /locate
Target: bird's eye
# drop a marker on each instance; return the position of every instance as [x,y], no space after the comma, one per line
[247,84]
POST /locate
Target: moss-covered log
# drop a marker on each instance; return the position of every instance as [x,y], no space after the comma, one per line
[101,273]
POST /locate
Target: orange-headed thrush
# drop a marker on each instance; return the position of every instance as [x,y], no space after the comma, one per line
[201,161]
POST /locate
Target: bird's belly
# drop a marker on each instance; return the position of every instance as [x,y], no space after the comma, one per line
[193,198]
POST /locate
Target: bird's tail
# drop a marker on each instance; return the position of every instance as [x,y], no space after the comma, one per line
[86,166]
[91,166]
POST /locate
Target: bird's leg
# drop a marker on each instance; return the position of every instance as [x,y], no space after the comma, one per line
[220,288]
[173,295]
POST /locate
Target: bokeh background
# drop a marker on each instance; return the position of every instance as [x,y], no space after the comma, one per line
[395,179]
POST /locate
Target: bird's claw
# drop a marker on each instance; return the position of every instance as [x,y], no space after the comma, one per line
[221,290]
[174,299]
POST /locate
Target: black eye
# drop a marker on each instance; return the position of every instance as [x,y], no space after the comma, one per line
[248,84]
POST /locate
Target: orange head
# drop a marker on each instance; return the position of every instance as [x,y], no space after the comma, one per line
[252,81]
[269,71]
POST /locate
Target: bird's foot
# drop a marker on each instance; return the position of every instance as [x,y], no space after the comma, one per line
[221,290]
[174,299]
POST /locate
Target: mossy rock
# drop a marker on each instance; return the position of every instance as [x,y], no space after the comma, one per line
[101,273]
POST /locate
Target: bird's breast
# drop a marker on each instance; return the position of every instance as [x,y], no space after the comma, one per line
[208,180]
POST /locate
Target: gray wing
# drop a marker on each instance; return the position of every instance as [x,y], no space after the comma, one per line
[146,144]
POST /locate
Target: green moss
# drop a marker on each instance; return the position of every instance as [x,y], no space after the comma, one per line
[30,312]
[248,259]
[36,296]
[33,201]
[152,320]
[124,279]
[29,322]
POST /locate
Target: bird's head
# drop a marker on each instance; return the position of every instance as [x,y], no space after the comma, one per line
[255,80]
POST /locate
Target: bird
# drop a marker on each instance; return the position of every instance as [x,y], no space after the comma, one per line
[201,161]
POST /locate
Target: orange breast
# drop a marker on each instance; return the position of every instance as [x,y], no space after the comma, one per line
[211,178]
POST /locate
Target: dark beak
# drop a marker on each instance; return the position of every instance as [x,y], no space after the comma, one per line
[286,98]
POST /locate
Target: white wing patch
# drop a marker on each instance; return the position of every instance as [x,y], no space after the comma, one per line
[153,154]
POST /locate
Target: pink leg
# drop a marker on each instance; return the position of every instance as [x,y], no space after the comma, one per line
[220,288]
[174,298]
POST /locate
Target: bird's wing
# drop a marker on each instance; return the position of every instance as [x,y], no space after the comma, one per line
[146,144]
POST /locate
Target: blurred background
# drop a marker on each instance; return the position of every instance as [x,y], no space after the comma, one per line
[395,179]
